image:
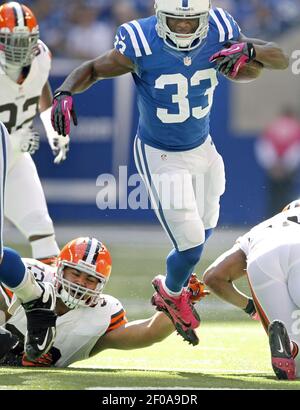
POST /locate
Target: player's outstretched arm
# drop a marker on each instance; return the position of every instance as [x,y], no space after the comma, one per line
[221,274]
[270,55]
[136,334]
[109,65]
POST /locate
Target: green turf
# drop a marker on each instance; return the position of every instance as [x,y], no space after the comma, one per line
[230,355]
[233,350]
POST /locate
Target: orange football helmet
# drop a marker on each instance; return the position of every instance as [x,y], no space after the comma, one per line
[86,255]
[19,33]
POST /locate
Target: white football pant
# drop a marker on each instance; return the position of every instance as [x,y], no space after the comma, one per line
[5,154]
[26,207]
[184,188]
[277,292]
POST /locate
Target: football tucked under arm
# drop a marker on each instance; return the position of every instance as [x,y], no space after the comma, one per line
[248,73]
[237,62]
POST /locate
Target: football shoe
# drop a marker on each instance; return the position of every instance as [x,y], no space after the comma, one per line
[41,320]
[179,309]
[283,362]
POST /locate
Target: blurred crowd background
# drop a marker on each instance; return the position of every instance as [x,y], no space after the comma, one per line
[86,28]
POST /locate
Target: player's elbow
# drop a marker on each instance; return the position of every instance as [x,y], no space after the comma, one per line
[210,279]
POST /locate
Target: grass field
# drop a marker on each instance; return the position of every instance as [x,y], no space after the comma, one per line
[232,353]
[229,356]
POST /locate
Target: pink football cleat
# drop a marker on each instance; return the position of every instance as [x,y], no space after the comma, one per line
[179,309]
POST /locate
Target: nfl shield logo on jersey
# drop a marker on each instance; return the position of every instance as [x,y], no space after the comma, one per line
[187,61]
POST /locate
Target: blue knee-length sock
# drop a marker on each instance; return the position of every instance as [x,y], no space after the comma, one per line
[180,265]
[12,269]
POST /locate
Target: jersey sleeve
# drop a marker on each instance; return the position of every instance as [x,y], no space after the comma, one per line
[225,25]
[44,56]
[117,316]
[131,41]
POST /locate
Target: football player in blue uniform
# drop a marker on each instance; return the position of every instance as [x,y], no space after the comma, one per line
[175,58]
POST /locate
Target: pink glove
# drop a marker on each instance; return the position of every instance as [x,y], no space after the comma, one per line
[62,111]
[231,60]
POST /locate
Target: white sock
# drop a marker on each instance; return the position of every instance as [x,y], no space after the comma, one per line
[170,292]
[44,248]
[28,289]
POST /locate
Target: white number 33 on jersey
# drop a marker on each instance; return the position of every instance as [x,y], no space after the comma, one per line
[119,44]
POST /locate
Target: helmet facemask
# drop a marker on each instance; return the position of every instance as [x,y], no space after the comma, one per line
[179,41]
[19,45]
[74,295]
[182,10]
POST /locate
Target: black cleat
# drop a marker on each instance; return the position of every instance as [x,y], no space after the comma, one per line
[41,320]
[283,362]
[8,341]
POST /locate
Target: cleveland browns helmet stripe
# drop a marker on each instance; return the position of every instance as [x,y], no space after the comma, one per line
[19,13]
[19,34]
[87,255]
[92,250]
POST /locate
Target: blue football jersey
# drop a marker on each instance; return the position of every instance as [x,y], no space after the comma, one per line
[175,89]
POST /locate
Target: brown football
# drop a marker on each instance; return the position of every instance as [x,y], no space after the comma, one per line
[248,73]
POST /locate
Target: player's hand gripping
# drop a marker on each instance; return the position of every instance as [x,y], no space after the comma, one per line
[251,310]
[25,140]
[231,59]
[62,112]
[59,146]
[196,289]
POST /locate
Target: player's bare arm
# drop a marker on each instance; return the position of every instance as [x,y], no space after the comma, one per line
[219,277]
[45,98]
[136,334]
[244,60]
[270,55]
[109,65]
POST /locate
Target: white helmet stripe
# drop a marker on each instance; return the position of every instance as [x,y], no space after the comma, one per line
[19,13]
[91,254]
[142,37]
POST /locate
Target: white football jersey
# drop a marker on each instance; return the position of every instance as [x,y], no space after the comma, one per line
[278,237]
[19,102]
[77,330]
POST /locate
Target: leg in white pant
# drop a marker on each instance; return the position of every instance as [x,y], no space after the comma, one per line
[272,293]
[26,207]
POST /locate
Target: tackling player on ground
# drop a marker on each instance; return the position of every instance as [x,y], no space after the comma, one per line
[270,255]
[175,58]
[88,320]
[25,63]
